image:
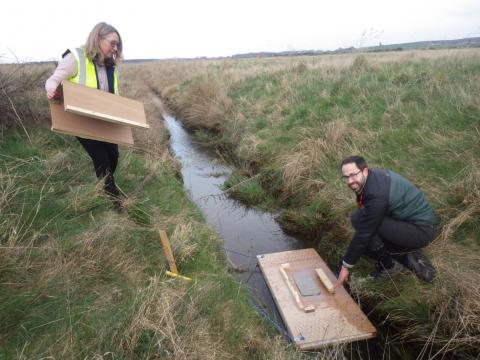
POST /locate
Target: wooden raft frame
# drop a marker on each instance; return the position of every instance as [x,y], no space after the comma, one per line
[336,318]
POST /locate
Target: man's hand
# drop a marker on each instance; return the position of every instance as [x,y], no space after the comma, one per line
[344,274]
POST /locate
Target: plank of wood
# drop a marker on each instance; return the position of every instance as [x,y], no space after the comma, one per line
[168,252]
[88,128]
[325,281]
[337,317]
[294,292]
[102,105]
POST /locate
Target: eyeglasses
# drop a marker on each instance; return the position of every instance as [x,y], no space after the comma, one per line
[114,44]
[345,178]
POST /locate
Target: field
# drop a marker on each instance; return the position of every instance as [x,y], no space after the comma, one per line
[287,123]
[79,280]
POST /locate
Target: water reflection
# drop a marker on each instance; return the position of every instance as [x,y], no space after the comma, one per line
[246,232]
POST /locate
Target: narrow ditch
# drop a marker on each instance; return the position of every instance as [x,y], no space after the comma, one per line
[246,232]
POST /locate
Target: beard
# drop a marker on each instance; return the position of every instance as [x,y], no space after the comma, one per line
[357,186]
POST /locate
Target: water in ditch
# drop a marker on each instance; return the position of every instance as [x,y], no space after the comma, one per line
[246,232]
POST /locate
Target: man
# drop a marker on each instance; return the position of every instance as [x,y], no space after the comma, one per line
[392,222]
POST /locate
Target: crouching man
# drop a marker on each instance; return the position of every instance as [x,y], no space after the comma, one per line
[392,222]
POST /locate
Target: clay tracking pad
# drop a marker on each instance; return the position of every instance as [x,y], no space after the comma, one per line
[337,317]
[307,283]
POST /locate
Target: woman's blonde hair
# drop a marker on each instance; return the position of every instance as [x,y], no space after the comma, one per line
[92,46]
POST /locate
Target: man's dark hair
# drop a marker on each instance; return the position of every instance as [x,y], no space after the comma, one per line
[358,160]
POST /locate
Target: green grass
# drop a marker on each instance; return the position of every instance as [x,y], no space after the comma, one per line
[419,116]
[79,280]
[248,190]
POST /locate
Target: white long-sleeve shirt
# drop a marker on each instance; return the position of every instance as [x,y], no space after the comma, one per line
[67,68]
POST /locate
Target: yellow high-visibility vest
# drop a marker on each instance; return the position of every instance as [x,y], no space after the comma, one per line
[86,74]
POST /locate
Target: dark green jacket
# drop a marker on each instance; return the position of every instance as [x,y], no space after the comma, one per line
[387,193]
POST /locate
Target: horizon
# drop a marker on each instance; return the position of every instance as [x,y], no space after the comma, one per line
[300,51]
[187,29]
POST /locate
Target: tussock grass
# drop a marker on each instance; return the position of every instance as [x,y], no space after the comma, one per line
[20,103]
[206,99]
[79,280]
[182,243]
[449,319]
[288,123]
[313,154]
[247,189]
[457,317]
[160,308]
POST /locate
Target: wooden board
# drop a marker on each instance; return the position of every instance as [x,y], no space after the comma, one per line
[103,105]
[89,128]
[336,319]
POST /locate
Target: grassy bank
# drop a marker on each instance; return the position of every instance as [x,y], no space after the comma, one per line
[79,280]
[287,123]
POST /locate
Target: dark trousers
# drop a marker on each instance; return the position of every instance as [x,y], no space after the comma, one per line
[105,159]
[395,237]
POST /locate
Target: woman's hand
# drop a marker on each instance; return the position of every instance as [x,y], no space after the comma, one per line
[344,274]
[51,94]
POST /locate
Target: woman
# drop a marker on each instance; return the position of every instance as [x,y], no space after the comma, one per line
[94,65]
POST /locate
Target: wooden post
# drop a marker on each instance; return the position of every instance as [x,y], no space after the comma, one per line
[168,252]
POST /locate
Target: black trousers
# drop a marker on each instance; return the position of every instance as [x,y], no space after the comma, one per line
[105,160]
[396,237]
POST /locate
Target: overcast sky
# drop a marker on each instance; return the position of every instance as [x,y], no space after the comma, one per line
[37,30]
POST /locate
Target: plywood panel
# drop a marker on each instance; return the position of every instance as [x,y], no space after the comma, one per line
[103,105]
[336,319]
[89,128]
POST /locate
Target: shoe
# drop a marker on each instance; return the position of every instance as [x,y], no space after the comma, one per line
[118,205]
[421,266]
[401,258]
[382,274]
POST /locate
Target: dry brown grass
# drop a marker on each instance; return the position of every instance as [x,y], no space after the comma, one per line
[181,241]
[155,139]
[169,312]
[459,219]
[45,270]
[454,310]
[20,100]
[160,308]
[466,192]
[457,306]
[82,285]
[205,104]
[307,165]
[313,154]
